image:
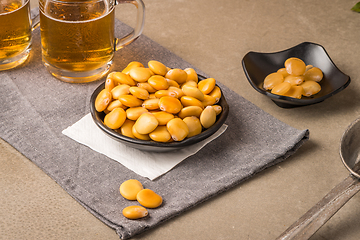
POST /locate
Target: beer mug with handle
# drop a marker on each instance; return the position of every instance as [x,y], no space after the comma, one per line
[77,37]
[15,33]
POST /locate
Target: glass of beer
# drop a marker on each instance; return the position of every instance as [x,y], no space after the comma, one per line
[15,33]
[77,37]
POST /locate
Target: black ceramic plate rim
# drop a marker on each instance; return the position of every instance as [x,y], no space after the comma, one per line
[171,145]
[303,101]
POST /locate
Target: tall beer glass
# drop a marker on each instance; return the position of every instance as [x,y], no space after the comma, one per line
[77,37]
[15,33]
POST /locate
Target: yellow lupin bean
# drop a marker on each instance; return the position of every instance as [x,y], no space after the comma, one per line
[191,75]
[288,60]
[140,136]
[148,198]
[158,82]
[130,66]
[115,104]
[295,73]
[115,118]
[295,66]
[310,88]
[163,93]
[217,108]
[126,128]
[207,85]
[190,83]
[160,134]
[110,83]
[272,80]
[170,104]
[140,74]
[151,72]
[135,212]
[193,92]
[190,111]
[313,74]
[140,93]
[147,87]
[146,123]
[163,117]
[172,83]
[122,89]
[283,72]
[160,92]
[122,78]
[102,100]
[178,129]
[308,67]
[157,68]
[151,103]
[179,93]
[194,126]
[191,101]
[281,88]
[177,75]
[216,93]
[130,100]
[135,112]
[295,92]
[294,80]
[208,117]
[208,100]
[130,188]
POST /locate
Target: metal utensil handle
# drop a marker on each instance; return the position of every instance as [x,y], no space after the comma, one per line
[318,215]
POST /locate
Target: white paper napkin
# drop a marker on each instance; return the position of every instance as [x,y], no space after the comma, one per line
[146,164]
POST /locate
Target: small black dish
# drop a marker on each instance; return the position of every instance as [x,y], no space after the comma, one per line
[153,146]
[258,65]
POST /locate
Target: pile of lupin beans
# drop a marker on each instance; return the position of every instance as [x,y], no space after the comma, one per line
[132,190]
[158,103]
[295,80]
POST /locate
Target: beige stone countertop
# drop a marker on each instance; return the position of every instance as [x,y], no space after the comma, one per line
[214,36]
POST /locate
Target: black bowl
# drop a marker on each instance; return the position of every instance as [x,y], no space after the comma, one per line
[153,146]
[258,65]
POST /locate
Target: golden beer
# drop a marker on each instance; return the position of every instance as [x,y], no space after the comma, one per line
[15,32]
[77,38]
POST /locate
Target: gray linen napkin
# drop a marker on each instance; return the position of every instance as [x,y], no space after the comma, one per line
[35,108]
